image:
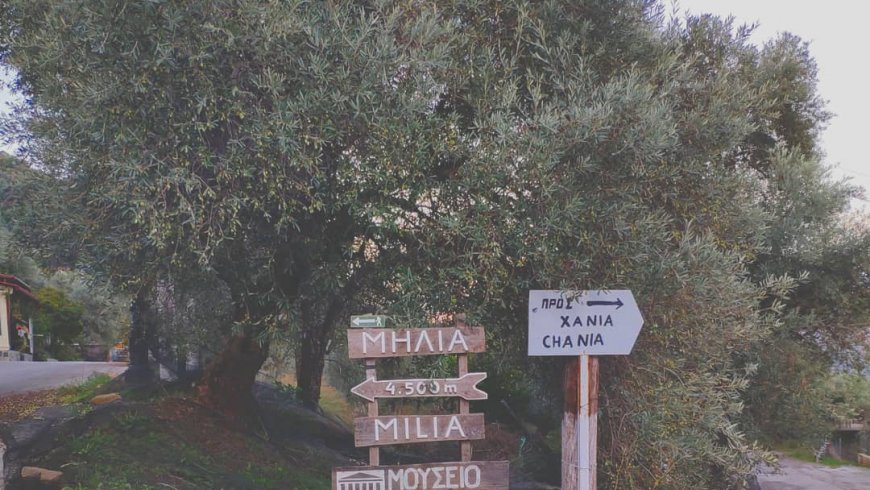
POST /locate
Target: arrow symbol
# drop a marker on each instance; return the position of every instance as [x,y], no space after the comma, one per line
[618,303]
[463,387]
[368,321]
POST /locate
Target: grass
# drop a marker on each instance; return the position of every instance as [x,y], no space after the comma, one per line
[167,440]
[804,453]
[84,391]
[331,400]
[172,443]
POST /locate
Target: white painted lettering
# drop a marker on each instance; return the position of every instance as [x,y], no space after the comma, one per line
[395,476]
[368,338]
[434,477]
[423,336]
[385,426]
[406,341]
[425,476]
[407,480]
[454,425]
[458,338]
[472,476]
[420,433]
[437,472]
[449,475]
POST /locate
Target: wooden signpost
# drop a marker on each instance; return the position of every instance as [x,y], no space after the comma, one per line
[581,324]
[378,430]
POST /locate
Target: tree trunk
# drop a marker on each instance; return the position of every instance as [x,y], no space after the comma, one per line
[180,362]
[310,360]
[228,379]
[139,369]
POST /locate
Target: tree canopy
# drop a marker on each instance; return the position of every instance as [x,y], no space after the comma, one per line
[316,157]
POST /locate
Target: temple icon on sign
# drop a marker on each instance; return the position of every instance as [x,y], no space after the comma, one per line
[360,480]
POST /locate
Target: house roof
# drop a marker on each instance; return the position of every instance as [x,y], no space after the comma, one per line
[17,285]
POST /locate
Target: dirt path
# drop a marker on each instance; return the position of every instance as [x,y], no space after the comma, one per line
[799,475]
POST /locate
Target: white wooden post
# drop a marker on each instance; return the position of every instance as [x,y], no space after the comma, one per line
[580,424]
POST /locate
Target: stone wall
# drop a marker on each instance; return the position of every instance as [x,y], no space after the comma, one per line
[11,355]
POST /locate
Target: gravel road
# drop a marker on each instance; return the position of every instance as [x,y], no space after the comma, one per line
[799,475]
[17,377]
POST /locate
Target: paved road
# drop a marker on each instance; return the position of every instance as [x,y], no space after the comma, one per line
[16,377]
[798,475]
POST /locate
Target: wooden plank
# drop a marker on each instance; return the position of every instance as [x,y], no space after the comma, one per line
[464,446]
[479,475]
[404,429]
[462,365]
[372,373]
[464,387]
[570,413]
[365,343]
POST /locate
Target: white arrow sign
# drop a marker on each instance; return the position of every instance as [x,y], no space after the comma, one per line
[464,387]
[362,321]
[570,323]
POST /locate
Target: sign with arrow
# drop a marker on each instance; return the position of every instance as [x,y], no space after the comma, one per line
[464,387]
[368,321]
[570,323]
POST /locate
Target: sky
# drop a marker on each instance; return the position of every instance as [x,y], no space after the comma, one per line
[6,98]
[837,33]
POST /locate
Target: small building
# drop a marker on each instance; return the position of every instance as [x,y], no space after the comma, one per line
[16,336]
[848,440]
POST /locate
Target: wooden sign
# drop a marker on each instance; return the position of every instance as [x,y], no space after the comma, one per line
[369,343]
[404,429]
[584,324]
[378,430]
[593,322]
[479,475]
[464,387]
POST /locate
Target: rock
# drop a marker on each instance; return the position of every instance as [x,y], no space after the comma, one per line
[104,399]
[41,474]
[863,459]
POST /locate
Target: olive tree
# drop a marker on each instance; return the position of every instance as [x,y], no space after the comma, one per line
[278,144]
